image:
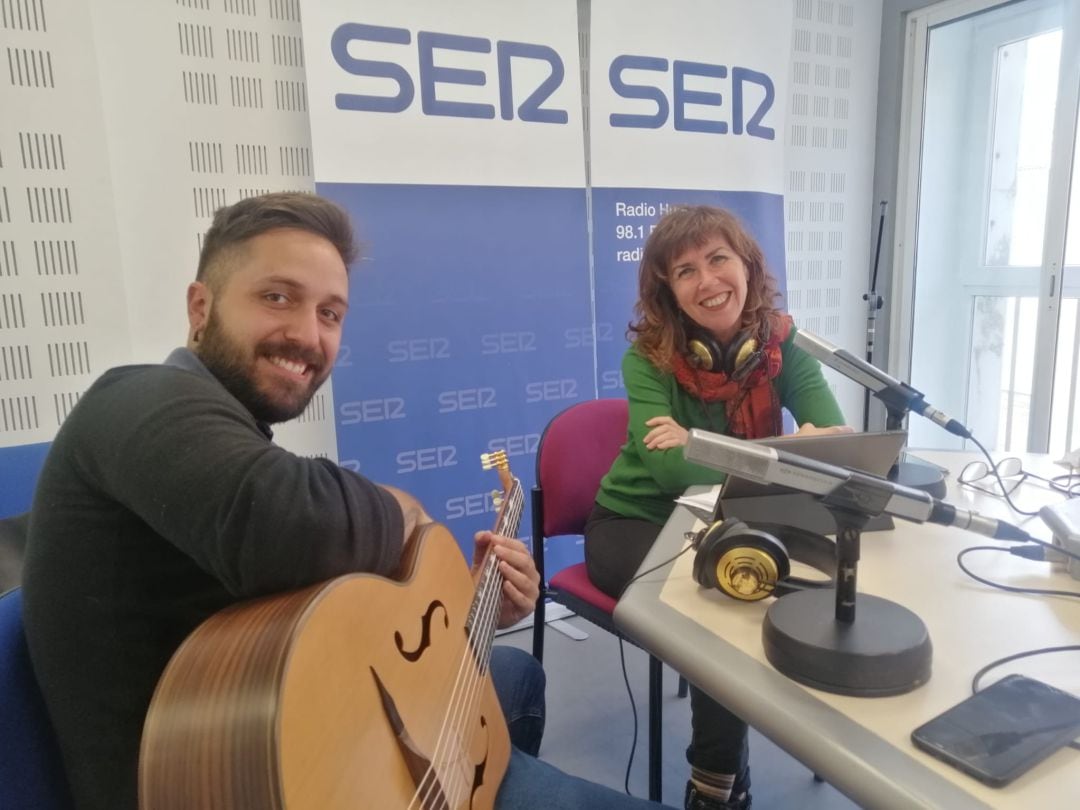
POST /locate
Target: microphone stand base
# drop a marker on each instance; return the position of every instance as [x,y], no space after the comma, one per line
[885,651]
[918,474]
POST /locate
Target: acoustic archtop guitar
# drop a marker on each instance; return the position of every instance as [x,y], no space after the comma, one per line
[361,692]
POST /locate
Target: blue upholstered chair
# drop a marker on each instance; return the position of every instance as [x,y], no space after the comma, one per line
[31,775]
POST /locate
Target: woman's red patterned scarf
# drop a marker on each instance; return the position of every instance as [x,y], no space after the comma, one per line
[752,407]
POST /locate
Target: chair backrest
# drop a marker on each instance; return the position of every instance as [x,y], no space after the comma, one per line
[575,452]
[31,773]
[13,531]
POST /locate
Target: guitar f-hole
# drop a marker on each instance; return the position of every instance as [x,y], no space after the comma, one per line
[412,656]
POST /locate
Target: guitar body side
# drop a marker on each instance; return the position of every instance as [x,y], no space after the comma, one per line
[275,704]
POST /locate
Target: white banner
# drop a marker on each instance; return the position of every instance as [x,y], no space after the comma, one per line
[460,93]
[689,94]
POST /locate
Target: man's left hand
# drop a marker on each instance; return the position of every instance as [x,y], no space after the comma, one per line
[521,580]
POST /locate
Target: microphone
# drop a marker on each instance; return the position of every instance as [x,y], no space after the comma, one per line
[897,395]
[837,486]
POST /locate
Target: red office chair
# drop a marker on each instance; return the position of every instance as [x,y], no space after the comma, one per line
[575,452]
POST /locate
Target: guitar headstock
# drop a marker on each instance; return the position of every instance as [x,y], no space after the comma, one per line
[510,501]
[498,461]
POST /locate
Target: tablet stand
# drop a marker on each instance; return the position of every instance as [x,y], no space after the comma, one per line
[825,638]
[914,474]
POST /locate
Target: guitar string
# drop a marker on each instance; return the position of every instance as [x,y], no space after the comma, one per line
[483,633]
[465,682]
[484,630]
[431,782]
[469,678]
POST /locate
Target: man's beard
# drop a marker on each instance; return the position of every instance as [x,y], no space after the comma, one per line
[228,363]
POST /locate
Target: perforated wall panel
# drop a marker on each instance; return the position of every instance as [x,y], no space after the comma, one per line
[62,313]
[830,150]
[216,111]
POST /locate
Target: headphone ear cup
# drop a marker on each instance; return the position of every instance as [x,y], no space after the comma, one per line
[737,359]
[741,562]
[706,543]
[705,353]
[742,356]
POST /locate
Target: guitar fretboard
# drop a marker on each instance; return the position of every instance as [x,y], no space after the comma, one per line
[484,611]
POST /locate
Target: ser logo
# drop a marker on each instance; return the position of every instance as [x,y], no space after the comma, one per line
[426,458]
[507,342]
[343,44]
[741,79]
[372,410]
[521,445]
[551,390]
[470,505]
[467,399]
[577,337]
[408,351]
[611,380]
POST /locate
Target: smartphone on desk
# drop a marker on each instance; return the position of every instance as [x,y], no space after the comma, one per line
[999,733]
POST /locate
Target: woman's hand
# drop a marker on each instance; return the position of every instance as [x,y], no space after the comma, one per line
[521,580]
[809,429]
[665,433]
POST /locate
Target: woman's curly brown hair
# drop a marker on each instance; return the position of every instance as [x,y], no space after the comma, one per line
[660,330]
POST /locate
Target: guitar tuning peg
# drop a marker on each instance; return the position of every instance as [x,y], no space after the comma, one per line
[496,497]
[491,460]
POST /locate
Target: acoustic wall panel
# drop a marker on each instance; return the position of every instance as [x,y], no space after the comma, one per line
[216,111]
[62,314]
[829,161]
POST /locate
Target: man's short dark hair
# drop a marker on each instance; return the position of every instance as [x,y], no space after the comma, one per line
[235,224]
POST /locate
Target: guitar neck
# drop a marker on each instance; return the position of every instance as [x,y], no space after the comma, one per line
[484,611]
[508,519]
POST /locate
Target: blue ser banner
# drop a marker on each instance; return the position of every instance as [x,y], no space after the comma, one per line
[452,132]
[686,108]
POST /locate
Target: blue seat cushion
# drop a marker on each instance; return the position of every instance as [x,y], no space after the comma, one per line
[31,772]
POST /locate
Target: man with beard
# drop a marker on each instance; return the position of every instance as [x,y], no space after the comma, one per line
[163,501]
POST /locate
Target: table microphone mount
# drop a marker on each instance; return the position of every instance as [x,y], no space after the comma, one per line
[813,637]
[911,472]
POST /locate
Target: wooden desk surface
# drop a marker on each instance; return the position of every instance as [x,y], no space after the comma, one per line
[862,745]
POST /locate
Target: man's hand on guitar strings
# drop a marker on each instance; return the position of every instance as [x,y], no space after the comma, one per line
[521,580]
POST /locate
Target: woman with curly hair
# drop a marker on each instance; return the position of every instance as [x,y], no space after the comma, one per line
[710,350]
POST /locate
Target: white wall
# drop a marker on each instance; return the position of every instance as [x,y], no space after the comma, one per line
[166,110]
[830,158]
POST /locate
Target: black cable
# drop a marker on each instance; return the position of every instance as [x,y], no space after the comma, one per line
[636,577]
[1016,656]
[1032,554]
[1069,488]
[1004,490]
[633,711]
[1010,588]
[626,678]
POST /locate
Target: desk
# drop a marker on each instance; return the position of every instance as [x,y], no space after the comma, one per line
[862,745]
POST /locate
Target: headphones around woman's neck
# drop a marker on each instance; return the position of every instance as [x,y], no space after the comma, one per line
[737,359]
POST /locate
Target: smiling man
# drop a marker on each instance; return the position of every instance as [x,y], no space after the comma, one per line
[163,500]
[283,328]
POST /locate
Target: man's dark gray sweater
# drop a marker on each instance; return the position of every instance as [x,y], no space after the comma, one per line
[162,501]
